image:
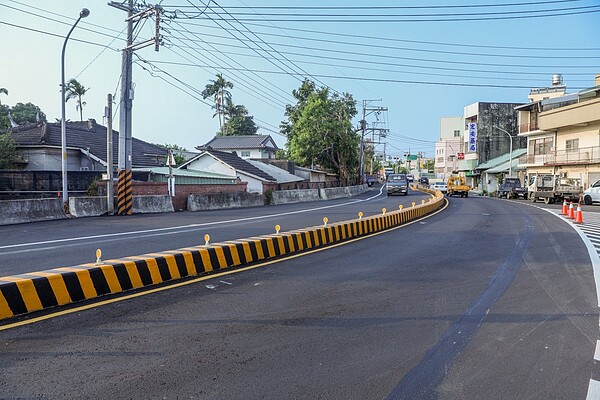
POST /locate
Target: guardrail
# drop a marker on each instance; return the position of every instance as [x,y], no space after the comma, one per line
[35,291]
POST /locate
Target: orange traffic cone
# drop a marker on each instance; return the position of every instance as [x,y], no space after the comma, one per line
[578,215]
[565,210]
[571,213]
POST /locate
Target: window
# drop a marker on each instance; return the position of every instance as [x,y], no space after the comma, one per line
[541,146]
[572,145]
[457,133]
[245,153]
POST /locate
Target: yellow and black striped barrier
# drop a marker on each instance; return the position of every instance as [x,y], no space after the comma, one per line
[34,291]
[124,192]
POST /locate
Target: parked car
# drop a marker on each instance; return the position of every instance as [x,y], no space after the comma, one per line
[441,186]
[511,188]
[397,183]
[592,194]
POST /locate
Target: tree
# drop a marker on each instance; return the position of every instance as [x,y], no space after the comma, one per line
[3,91]
[21,114]
[320,131]
[238,121]
[217,89]
[76,90]
[8,150]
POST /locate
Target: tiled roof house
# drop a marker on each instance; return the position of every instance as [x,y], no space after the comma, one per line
[40,146]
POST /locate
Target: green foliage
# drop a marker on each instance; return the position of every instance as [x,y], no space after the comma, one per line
[320,131]
[429,165]
[281,154]
[8,151]
[75,90]
[237,122]
[21,114]
[217,89]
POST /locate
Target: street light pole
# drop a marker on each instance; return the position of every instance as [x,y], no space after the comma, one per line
[63,124]
[510,154]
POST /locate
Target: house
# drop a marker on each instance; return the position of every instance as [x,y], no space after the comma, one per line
[284,179]
[503,165]
[229,164]
[249,146]
[40,146]
[561,132]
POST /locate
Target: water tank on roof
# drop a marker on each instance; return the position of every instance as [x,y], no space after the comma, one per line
[557,80]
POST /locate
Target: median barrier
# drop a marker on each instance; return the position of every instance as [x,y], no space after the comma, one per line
[87,206]
[35,291]
[21,211]
[217,201]
[294,196]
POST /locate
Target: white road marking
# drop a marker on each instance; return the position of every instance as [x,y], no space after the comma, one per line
[593,390]
[182,228]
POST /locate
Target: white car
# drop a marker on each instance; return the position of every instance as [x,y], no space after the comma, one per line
[592,194]
[441,186]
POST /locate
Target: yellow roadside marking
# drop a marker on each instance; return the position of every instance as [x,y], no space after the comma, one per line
[199,279]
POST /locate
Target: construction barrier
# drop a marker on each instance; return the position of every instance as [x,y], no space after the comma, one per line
[578,215]
[36,291]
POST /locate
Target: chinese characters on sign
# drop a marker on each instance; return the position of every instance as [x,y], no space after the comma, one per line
[472,137]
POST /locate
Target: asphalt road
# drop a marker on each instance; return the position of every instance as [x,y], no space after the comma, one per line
[487,300]
[44,245]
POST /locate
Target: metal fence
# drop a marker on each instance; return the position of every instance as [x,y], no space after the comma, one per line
[43,184]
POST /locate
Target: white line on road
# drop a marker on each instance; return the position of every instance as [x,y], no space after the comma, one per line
[182,228]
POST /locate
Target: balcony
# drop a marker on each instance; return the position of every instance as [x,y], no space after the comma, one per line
[585,155]
[524,128]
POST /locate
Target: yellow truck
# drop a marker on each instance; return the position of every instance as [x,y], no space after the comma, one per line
[456,185]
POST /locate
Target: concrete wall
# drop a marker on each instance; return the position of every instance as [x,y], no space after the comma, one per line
[20,211]
[294,196]
[152,204]
[216,201]
[341,192]
[89,206]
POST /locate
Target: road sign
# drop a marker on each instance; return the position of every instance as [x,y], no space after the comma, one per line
[472,137]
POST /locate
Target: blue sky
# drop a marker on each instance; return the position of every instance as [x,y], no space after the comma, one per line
[423,59]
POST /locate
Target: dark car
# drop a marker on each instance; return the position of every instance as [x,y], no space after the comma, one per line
[424,180]
[397,183]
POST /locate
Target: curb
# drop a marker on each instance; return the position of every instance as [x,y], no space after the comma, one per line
[35,291]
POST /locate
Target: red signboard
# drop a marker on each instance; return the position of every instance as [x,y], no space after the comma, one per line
[461,156]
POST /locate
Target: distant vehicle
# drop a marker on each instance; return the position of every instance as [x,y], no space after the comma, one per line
[388,172]
[441,186]
[592,194]
[397,183]
[511,189]
[410,178]
[457,185]
[552,188]
[424,180]
[370,179]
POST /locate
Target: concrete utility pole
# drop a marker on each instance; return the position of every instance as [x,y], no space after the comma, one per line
[124,190]
[109,157]
[381,132]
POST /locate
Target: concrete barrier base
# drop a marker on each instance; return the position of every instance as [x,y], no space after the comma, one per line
[217,201]
[21,211]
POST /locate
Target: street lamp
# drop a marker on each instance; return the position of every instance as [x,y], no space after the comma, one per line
[510,154]
[63,125]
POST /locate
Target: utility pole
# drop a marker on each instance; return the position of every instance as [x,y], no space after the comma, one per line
[124,188]
[109,158]
[380,131]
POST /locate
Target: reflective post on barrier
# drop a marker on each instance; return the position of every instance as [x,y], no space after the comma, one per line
[207,240]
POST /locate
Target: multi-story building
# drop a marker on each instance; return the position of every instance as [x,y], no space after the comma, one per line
[450,146]
[562,132]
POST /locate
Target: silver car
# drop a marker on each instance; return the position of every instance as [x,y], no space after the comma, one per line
[441,186]
[397,183]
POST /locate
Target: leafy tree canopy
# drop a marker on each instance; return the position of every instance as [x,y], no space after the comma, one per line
[8,150]
[320,131]
[21,114]
[238,121]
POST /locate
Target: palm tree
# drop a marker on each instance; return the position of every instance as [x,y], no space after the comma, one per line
[76,90]
[217,90]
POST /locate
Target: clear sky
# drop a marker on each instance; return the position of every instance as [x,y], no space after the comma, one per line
[423,59]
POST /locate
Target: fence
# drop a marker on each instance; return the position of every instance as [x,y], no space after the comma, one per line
[43,184]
